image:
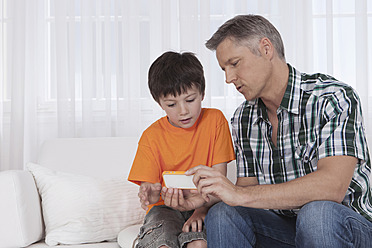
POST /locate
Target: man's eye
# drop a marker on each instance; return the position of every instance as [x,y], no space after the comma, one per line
[235,63]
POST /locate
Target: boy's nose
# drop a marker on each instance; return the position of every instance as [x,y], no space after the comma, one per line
[183,109]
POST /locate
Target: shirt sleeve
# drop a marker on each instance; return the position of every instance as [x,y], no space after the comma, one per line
[224,151]
[342,131]
[246,164]
[145,167]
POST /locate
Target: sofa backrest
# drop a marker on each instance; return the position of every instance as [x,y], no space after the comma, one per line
[108,157]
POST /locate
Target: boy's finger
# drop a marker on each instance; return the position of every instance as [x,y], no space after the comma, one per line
[200,225]
[174,198]
[194,226]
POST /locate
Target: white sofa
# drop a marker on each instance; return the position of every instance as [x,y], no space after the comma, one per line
[22,223]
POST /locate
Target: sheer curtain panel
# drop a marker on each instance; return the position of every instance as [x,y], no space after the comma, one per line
[78,68]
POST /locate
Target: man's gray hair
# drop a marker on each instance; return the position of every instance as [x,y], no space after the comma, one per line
[247,30]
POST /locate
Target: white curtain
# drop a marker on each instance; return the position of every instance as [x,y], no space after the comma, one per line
[78,68]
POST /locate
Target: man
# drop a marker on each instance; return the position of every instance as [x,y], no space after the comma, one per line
[302,158]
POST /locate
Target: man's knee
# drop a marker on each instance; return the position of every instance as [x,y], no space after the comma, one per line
[319,222]
[218,214]
[317,215]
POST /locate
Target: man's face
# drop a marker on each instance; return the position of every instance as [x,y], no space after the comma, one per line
[248,72]
[182,110]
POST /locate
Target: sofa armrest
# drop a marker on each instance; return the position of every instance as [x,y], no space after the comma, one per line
[20,212]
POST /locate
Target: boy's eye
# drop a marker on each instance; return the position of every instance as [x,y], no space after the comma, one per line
[190,100]
[170,105]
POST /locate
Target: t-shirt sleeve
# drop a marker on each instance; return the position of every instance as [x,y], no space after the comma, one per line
[145,167]
[224,151]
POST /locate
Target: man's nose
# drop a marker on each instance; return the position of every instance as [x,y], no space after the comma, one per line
[230,76]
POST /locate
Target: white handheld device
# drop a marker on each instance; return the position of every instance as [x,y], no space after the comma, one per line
[178,179]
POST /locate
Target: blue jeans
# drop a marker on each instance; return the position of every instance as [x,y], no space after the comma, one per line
[318,224]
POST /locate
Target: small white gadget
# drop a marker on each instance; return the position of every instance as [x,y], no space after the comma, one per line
[178,179]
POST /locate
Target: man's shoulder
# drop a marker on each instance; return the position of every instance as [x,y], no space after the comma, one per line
[320,84]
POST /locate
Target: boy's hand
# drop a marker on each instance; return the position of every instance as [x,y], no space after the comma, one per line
[149,193]
[195,222]
[182,200]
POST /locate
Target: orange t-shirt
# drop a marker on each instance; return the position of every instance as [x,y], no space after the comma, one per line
[164,147]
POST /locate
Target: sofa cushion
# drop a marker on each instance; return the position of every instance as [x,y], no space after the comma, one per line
[20,213]
[42,244]
[127,237]
[82,209]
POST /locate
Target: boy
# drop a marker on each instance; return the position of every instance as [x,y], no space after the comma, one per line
[188,136]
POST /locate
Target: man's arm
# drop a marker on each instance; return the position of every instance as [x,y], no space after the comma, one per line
[329,182]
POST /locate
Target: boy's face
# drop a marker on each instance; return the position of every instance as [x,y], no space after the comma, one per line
[182,110]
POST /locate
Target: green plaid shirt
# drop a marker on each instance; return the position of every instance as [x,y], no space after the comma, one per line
[318,117]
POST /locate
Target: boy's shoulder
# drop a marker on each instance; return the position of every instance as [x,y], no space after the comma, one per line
[212,113]
[155,127]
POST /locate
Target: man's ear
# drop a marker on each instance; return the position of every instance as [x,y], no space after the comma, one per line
[266,47]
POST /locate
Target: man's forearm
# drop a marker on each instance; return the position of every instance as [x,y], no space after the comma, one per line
[329,182]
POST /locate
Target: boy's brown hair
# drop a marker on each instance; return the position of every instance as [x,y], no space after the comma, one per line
[174,73]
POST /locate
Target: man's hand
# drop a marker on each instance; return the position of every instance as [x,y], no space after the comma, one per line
[182,200]
[149,193]
[211,182]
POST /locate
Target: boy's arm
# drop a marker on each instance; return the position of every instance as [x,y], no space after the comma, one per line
[222,168]
[195,222]
[149,193]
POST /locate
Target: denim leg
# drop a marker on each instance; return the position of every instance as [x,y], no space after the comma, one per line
[248,227]
[162,225]
[329,224]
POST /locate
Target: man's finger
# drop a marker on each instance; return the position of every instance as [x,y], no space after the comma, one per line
[194,169]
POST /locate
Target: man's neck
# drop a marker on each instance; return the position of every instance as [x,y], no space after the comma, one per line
[278,87]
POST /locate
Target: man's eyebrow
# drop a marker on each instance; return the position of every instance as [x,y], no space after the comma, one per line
[229,61]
